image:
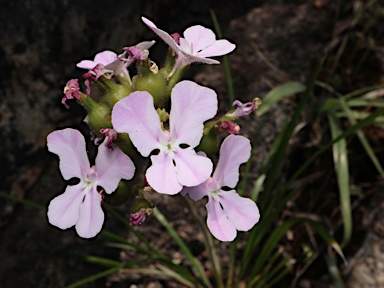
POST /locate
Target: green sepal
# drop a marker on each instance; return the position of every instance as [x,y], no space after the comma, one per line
[121,194]
[209,142]
[99,116]
[140,202]
[115,92]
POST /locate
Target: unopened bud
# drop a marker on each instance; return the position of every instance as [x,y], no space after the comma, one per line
[121,194]
[154,83]
[99,117]
[140,210]
[231,127]
[139,217]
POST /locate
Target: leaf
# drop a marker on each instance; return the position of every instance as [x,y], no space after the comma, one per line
[278,93]
[340,159]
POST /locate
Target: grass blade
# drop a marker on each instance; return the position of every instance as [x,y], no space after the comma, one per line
[96,276]
[172,232]
[340,159]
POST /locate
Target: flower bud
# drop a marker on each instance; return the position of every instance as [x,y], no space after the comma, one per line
[121,195]
[99,116]
[209,142]
[149,79]
[141,208]
[116,92]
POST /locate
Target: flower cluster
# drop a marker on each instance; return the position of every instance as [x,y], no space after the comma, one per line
[169,121]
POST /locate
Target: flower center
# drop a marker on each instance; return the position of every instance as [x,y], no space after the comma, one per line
[213,188]
[90,176]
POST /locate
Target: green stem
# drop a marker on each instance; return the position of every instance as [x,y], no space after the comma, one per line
[210,246]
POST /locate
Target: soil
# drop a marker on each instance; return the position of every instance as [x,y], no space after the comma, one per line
[277,41]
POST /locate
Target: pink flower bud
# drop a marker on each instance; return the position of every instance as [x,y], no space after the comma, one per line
[176,37]
[136,219]
[135,53]
[71,91]
[231,127]
[98,71]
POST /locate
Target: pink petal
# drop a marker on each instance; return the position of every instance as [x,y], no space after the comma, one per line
[199,38]
[192,169]
[69,145]
[86,64]
[201,190]
[91,216]
[198,59]
[185,47]
[242,212]
[137,116]
[218,223]
[234,151]
[162,34]
[220,47]
[112,166]
[192,105]
[119,67]
[188,59]
[162,175]
[196,192]
[63,210]
[105,57]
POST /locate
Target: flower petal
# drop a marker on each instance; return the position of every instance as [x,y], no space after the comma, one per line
[218,223]
[199,38]
[112,166]
[86,64]
[196,192]
[105,57]
[242,212]
[192,105]
[162,175]
[188,59]
[91,216]
[137,116]
[63,210]
[192,169]
[201,190]
[220,47]
[69,145]
[162,34]
[234,151]
[145,45]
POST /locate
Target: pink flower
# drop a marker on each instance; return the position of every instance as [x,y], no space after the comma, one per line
[198,44]
[174,166]
[111,61]
[227,211]
[80,204]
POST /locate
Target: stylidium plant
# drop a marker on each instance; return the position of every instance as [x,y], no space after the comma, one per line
[169,127]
